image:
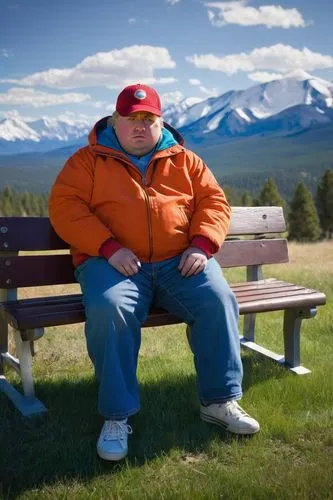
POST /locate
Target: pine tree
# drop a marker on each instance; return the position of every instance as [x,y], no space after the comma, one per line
[324,199]
[7,201]
[229,193]
[8,193]
[26,204]
[269,195]
[246,199]
[303,218]
[6,207]
[13,203]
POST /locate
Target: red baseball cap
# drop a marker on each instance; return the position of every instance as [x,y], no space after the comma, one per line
[138,97]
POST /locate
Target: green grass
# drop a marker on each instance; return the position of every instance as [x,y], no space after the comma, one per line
[173,454]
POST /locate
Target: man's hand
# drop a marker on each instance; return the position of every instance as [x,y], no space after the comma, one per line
[125,261]
[193,261]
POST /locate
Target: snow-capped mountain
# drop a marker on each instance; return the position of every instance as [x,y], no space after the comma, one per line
[13,129]
[180,114]
[287,105]
[234,111]
[18,136]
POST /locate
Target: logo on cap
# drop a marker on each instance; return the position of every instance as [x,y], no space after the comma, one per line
[140,94]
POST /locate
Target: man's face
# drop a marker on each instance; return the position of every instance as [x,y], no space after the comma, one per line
[139,132]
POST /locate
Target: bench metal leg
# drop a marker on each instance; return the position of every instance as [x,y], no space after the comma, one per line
[252,346]
[292,337]
[292,341]
[249,327]
[253,273]
[27,404]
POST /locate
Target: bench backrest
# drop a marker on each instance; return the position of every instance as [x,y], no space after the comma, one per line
[31,234]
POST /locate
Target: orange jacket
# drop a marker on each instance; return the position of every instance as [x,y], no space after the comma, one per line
[99,194]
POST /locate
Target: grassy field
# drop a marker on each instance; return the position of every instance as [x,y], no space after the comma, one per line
[173,454]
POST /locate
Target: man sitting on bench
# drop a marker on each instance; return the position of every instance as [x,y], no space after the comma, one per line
[143,216]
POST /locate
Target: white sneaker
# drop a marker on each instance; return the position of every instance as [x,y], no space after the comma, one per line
[230,416]
[112,442]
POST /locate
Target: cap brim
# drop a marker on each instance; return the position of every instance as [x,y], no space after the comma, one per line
[139,107]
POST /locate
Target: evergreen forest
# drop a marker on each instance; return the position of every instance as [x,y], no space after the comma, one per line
[309,217]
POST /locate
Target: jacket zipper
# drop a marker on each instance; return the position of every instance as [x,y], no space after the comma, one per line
[150,231]
[148,206]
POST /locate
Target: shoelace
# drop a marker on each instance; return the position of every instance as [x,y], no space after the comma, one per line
[233,408]
[115,430]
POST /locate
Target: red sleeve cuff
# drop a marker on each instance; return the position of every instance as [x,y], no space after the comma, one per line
[205,245]
[109,247]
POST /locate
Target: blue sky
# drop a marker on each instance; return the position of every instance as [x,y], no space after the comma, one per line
[72,57]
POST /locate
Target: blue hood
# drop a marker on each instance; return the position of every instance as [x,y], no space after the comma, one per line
[107,137]
[169,137]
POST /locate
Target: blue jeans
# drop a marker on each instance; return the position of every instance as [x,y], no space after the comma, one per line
[116,306]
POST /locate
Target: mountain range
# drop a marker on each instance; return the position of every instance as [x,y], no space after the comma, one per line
[285,125]
[45,134]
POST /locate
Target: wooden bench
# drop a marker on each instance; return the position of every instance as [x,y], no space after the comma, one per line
[29,317]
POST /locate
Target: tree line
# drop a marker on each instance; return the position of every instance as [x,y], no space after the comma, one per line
[309,217]
[17,204]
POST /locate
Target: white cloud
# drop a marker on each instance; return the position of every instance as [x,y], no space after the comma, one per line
[110,69]
[171,98]
[5,53]
[111,107]
[209,92]
[277,58]
[134,20]
[194,81]
[67,117]
[238,12]
[263,76]
[99,104]
[105,106]
[151,81]
[38,99]
[173,2]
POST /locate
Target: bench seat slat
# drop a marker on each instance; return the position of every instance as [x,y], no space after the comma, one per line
[252,285]
[269,283]
[39,301]
[253,297]
[33,306]
[306,300]
[27,314]
[244,292]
